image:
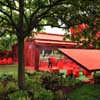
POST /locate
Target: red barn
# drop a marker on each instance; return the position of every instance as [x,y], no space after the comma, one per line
[33,47]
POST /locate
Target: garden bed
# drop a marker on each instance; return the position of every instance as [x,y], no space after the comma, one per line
[45,86]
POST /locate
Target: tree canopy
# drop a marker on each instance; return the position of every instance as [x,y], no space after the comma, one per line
[39,13]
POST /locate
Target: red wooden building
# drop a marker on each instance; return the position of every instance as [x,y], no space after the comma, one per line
[42,41]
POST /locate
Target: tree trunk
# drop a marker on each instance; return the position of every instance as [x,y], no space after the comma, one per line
[21,66]
[20,36]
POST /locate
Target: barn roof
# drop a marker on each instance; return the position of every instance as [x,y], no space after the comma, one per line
[48,39]
[86,58]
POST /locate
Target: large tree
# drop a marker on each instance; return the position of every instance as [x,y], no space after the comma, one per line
[25,15]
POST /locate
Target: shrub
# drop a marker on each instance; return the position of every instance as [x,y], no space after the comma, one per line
[11,87]
[3,92]
[43,94]
[19,95]
[34,74]
[6,77]
[32,85]
[2,89]
[33,80]
[52,81]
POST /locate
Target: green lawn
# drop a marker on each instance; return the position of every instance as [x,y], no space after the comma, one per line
[86,92]
[9,69]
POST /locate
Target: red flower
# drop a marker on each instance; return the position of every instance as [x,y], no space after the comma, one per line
[86,73]
[4,61]
[97,35]
[76,72]
[84,26]
[69,72]
[0,61]
[80,29]
[72,30]
[9,61]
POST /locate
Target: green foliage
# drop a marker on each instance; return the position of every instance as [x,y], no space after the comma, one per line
[35,83]
[53,11]
[7,41]
[59,95]
[12,87]
[43,94]
[33,80]
[6,77]
[2,89]
[6,88]
[19,95]
[52,81]
[72,82]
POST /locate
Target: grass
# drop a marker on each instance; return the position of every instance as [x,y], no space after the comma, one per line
[86,92]
[9,69]
[6,68]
